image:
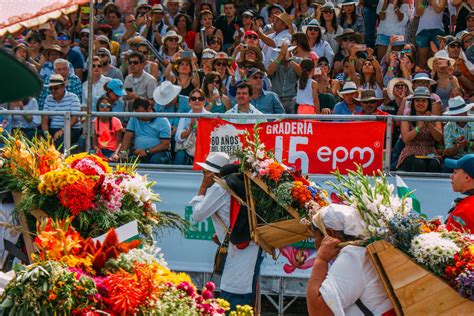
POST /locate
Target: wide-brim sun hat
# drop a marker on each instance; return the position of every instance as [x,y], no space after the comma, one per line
[208,53]
[348,2]
[367,95]
[421,93]
[166,92]
[359,38]
[287,19]
[53,48]
[457,106]
[421,76]
[56,80]
[312,23]
[442,54]
[329,6]
[221,56]
[393,82]
[215,161]
[172,34]
[349,87]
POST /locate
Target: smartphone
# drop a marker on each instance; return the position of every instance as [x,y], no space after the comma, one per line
[361,47]
[187,54]
[317,71]
[85,10]
[399,38]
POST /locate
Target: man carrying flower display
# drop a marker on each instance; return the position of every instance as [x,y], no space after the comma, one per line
[238,282]
[461,215]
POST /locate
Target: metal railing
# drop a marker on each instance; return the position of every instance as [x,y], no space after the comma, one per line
[389,119]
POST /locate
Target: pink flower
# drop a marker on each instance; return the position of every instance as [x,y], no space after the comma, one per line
[210,286]
[298,258]
[206,294]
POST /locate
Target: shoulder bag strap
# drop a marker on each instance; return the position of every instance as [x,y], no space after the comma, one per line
[364,308]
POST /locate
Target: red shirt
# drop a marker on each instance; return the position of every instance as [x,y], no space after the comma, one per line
[377,112]
[462,217]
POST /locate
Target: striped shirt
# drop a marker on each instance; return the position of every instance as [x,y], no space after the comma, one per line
[70,102]
[74,85]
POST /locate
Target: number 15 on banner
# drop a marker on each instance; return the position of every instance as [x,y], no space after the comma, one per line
[293,153]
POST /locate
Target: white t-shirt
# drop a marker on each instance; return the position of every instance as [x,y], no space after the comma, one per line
[268,52]
[240,263]
[430,20]
[305,96]
[352,276]
[391,25]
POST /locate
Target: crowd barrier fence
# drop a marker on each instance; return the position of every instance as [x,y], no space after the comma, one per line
[389,119]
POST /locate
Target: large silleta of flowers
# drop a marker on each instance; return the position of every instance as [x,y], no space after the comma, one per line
[425,268]
[62,204]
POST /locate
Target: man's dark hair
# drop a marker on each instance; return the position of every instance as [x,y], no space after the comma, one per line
[116,12]
[138,55]
[141,102]
[244,85]
[229,2]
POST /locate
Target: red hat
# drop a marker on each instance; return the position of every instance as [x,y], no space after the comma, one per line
[250,33]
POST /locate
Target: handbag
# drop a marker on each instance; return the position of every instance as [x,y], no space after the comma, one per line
[221,253]
[189,144]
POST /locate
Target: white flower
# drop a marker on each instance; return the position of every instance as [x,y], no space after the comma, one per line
[431,249]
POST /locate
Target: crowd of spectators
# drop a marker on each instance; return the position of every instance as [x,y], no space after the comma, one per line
[386,57]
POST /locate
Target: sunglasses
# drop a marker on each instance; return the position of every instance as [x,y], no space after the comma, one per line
[323,65]
[215,42]
[54,88]
[257,77]
[63,38]
[369,102]
[400,86]
[104,105]
[96,66]
[193,98]
[217,81]
[454,46]
[406,51]
[84,35]
[221,64]
[252,37]
[134,62]
[144,52]
[102,55]
[327,12]
[173,39]
[313,29]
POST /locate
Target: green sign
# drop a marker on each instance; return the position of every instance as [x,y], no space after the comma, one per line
[203,230]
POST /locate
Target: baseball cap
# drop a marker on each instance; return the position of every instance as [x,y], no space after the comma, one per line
[466,163]
[117,87]
[250,32]
[254,71]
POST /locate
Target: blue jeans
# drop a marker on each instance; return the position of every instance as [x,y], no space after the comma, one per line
[162,157]
[75,134]
[181,157]
[424,38]
[370,19]
[248,298]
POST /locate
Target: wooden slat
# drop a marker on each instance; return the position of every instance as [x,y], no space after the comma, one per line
[265,188]
[466,308]
[437,303]
[405,274]
[391,259]
[280,234]
[419,290]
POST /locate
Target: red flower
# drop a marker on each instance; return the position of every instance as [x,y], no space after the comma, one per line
[79,196]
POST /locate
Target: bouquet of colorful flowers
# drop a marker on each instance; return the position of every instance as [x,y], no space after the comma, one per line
[76,276]
[81,185]
[448,254]
[289,186]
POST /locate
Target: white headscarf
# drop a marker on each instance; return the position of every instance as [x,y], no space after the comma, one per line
[341,218]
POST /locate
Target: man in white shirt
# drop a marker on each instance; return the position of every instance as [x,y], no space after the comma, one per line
[243,97]
[241,267]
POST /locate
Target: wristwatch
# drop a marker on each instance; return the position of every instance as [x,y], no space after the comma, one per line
[147,151]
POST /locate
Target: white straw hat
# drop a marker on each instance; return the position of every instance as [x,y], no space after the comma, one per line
[166,92]
[215,161]
[457,105]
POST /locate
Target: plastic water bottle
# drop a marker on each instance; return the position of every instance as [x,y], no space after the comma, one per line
[218,97]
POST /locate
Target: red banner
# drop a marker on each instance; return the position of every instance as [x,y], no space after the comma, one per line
[315,147]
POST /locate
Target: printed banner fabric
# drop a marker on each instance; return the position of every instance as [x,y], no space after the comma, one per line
[315,147]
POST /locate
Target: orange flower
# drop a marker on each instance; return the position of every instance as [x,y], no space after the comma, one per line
[275,170]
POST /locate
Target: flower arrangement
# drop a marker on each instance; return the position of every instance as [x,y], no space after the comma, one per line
[121,280]
[81,185]
[448,254]
[289,186]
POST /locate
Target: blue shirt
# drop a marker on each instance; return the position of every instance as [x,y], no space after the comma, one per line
[183,107]
[268,103]
[70,102]
[75,57]
[149,133]
[342,109]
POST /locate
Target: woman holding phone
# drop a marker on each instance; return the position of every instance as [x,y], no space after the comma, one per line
[394,16]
